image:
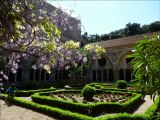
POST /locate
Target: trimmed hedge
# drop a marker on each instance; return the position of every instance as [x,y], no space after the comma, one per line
[148,115]
[92,109]
[122,90]
[124,116]
[112,87]
[67,115]
[30,92]
[51,111]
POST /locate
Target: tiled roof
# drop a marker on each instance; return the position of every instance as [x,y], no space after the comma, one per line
[123,41]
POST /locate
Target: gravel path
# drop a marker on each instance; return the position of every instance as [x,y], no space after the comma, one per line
[147,102]
[12,112]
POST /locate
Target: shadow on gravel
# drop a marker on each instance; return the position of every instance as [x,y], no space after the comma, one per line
[135,107]
[8,104]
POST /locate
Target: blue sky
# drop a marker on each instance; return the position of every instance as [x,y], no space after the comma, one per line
[104,16]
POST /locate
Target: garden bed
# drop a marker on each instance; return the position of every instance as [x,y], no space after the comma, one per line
[103,97]
[103,101]
[67,115]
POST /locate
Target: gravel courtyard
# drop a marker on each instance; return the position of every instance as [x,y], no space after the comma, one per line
[12,112]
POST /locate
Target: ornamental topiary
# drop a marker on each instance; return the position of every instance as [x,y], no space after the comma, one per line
[121,84]
[88,92]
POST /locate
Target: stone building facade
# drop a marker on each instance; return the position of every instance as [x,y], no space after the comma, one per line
[112,67]
[114,64]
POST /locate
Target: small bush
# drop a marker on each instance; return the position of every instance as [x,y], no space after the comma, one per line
[121,84]
[88,92]
[31,85]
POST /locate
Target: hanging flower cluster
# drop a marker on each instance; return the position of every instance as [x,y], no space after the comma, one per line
[31,36]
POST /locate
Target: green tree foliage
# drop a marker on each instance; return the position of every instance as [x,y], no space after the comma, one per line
[155,26]
[132,29]
[129,30]
[146,64]
[90,38]
[144,29]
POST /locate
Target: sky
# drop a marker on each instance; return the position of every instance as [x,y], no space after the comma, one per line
[105,16]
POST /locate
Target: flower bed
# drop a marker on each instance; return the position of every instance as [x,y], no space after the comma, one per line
[103,97]
[73,101]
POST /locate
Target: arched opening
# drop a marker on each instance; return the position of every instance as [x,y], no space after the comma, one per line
[124,67]
[47,76]
[121,74]
[31,74]
[43,75]
[37,76]
[102,70]
[105,75]
[128,75]
[94,75]
[56,75]
[110,75]
[19,74]
[128,60]
[99,75]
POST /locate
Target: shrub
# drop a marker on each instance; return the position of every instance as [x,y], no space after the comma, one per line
[88,92]
[31,85]
[121,84]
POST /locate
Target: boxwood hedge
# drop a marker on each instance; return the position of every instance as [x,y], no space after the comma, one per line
[92,109]
[67,115]
[51,111]
[24,93]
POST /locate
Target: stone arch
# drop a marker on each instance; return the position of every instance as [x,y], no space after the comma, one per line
[123,68]
[100,73]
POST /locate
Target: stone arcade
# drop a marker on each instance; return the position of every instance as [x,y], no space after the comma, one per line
[114,65]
